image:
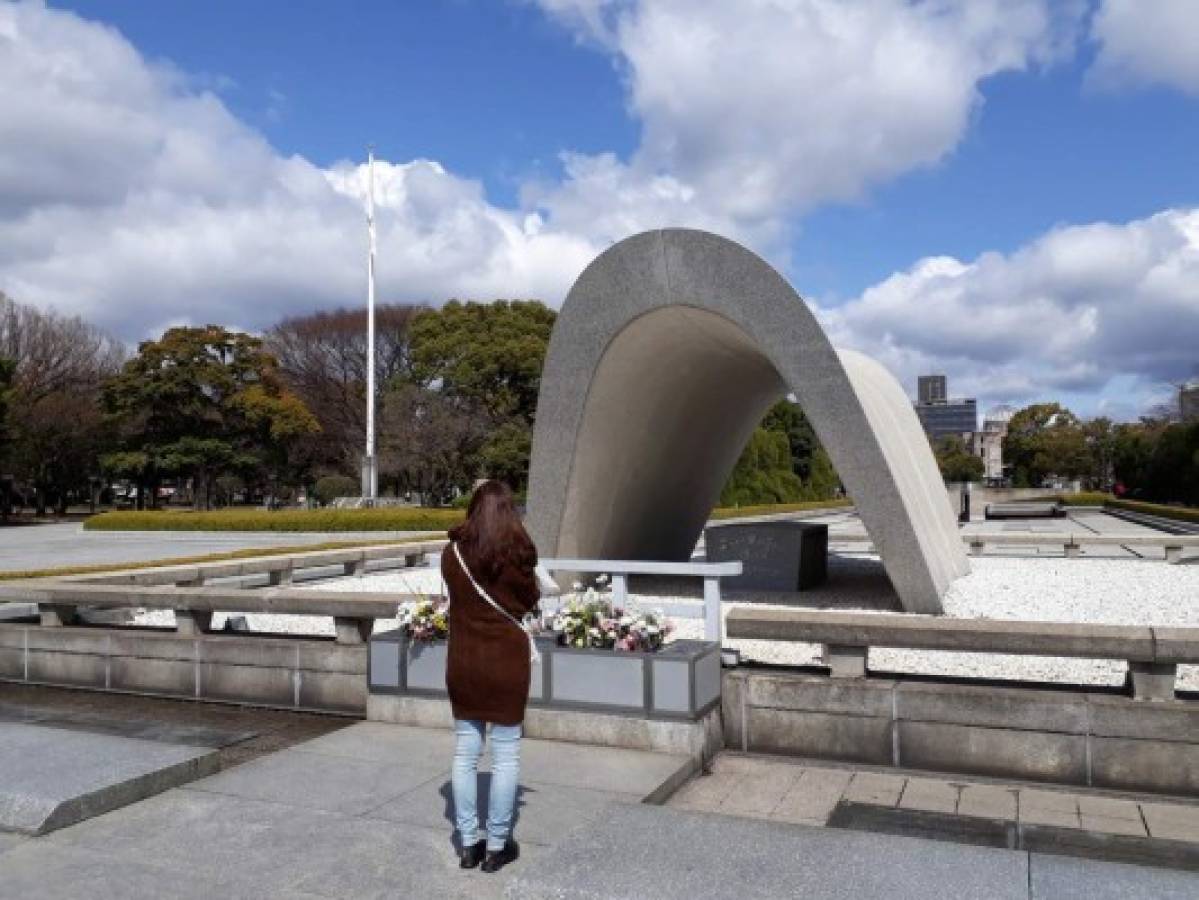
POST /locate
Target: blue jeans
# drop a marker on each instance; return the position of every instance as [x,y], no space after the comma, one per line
[505,771]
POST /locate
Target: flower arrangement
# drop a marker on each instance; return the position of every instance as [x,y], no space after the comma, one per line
[425,620]
[589,619]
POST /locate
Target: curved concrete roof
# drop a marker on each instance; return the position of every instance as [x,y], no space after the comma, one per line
[668,350]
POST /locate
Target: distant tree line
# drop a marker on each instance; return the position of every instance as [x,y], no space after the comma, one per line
[1155,458]
[214,417]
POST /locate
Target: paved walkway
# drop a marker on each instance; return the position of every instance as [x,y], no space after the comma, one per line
[788,791]
[1134,828]
[361,812]
[364,811]
[47,546]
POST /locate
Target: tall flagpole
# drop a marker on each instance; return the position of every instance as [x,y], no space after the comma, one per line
[370,472]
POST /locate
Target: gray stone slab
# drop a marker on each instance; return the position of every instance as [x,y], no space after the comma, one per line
[609,769]
[775,556]
[1063,878]
[52,777]
[149,729]
[8,840]
[237,847]
[544,812]
[382,742]
[333,784]
[37,870]
[668,854]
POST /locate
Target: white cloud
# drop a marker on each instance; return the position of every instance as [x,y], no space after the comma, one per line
[131,198]
[757,111]
[1080,309]
[1147,42]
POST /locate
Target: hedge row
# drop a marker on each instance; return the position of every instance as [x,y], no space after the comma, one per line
[405,519]
[737,512]
[1085,498]
[1181,513]
[333,520]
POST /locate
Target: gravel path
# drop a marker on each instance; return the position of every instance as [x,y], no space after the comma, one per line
[1116,591]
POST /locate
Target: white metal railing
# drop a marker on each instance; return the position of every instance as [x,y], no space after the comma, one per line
[620,569]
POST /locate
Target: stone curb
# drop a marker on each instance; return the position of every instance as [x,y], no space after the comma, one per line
[1005,833]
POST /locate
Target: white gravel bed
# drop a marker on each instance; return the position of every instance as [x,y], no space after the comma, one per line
[1114,591]
[1110,591]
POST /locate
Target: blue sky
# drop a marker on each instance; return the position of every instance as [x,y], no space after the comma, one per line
[1015,178]
[495,90]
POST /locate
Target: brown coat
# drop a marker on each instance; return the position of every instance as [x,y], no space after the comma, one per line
[487,673]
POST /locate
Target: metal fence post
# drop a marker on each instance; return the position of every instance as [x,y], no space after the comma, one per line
[713,621]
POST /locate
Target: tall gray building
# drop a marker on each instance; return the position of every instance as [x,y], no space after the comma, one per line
[931,389]
[1188,402]
[940,415]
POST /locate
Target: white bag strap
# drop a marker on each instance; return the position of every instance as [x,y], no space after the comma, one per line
[533,654]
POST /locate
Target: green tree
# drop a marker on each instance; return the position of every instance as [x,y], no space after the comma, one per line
[956,461]
[809,460]
[763,473]
[202,402]
[822,482]
[1172,473]
[484,360]
[787,418]
[505,455]
[1046,439]
[8,369]
[488,353]
[1099,434]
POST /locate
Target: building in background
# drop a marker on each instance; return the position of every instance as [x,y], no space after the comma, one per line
[931,389]
[988,444]
[1188,402]
[940,415]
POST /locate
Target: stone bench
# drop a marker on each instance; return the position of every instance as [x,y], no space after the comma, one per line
[353,613]
[1153,654]
[1072,541]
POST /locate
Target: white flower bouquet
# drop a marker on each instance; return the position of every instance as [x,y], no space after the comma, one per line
[425,620]
[590,619]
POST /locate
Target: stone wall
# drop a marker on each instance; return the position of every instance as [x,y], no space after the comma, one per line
[1099,739]
[290,673]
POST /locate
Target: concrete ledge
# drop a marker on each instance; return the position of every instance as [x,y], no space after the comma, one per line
[1145,851]
[699,740]
[52,777]
[1029,733]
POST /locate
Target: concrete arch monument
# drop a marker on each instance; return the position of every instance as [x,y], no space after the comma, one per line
[668,351]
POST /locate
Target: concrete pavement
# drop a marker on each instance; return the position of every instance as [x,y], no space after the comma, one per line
[638,852]
[365,811]
[1136,828]
[67,544]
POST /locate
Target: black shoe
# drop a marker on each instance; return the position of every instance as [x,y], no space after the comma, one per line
[472,856]
[497,859]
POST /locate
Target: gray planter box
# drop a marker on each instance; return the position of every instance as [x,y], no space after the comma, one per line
[681,681]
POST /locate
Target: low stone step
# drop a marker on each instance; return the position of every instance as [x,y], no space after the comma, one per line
[53,777]
[1015,835]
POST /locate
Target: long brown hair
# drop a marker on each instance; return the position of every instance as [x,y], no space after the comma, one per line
[493,533]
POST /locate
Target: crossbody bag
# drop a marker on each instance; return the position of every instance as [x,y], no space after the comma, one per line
[534,656]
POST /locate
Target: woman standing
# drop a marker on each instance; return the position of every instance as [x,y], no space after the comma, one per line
[489,574]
